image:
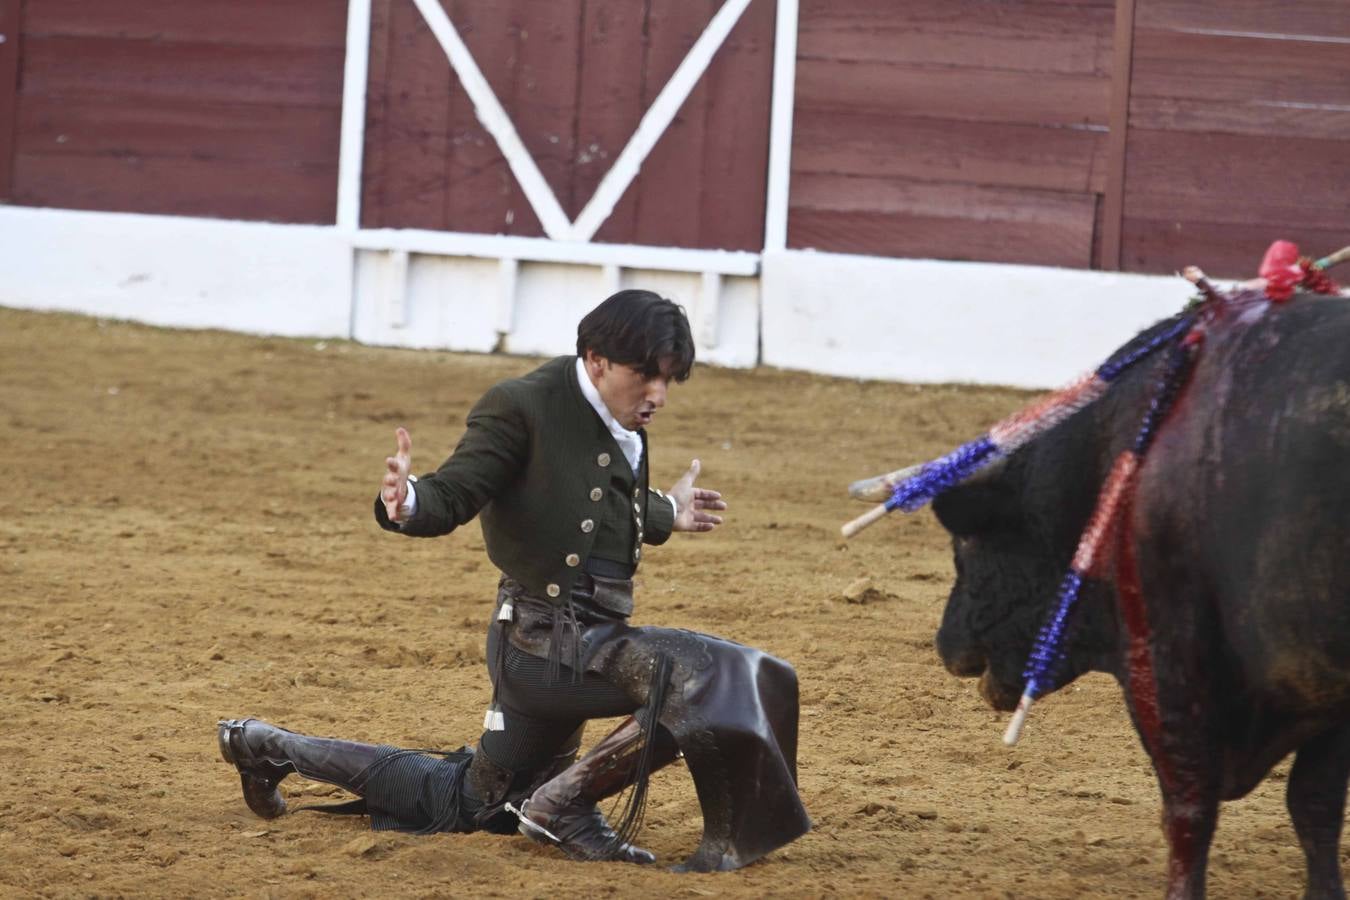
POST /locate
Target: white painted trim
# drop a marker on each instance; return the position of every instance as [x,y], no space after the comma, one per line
[494,118]
[933,321]
[862,317]
[708,312]
[178,271]
[497,246]
[780,126]
[508,274]
[394,288]
[353,140]
[656,120]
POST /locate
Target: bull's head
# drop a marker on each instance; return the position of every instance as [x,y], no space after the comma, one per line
[1014,527]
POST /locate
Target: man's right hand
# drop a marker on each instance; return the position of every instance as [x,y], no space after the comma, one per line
[394,488]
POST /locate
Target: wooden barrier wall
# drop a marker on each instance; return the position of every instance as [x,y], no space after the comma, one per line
[575,77]
[1131,134]
[980,130]
[229,110]
[1239,132]
[10,18]
[951,129]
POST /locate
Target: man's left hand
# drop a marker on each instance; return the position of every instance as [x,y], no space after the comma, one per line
[694,503]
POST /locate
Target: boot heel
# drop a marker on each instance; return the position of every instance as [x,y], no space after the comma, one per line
[537,833]
[223,739]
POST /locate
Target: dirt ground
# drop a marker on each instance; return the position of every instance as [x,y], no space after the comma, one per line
[190,537]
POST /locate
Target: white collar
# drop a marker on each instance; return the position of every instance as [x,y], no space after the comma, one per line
[630,442]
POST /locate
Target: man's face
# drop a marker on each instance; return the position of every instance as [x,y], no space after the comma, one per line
[632,398]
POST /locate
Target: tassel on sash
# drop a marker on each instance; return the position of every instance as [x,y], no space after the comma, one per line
[494,719]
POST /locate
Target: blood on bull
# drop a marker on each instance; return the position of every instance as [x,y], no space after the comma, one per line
[1177,520]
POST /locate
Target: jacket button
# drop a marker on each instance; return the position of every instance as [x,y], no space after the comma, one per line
[637,553]
[587,526]
[572,559]
[596,494]
[637,508]
[553,590]
[637,492]
[639,535]
[602,459]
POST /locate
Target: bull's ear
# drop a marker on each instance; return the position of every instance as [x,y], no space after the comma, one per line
[975,506]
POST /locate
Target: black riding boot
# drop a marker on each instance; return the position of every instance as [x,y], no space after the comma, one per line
[489,789]
[265,754]
[563,811]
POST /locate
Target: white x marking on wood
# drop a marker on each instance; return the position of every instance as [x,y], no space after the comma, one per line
[625,168]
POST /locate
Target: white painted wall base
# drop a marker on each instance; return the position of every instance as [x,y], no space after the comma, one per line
[532,308]
[177,271]
[440,302]
[932,321]
[863,317]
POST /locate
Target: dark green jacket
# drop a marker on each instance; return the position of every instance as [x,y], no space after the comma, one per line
[551,482]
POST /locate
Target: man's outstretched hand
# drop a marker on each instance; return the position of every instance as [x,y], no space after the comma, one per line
[694,503]
[394,487]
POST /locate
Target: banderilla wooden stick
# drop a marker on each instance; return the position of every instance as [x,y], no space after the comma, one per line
[1334,259]
[881,486]
[1197,278]
[1014,729]
[851,528]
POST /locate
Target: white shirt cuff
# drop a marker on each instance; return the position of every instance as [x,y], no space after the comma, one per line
[408,508]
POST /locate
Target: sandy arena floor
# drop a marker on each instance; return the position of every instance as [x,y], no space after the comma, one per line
[189,537]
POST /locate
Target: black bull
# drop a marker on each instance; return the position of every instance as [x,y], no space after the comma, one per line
[1240,532]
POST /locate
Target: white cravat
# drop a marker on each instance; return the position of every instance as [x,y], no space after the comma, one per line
[630,442]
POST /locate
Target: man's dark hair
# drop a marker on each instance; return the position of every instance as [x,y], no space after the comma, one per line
[640,329]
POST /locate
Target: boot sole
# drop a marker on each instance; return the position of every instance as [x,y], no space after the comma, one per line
[541,835]
[269,810]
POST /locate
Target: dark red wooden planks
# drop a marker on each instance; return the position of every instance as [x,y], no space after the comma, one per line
[942,220]
[10,14]
[181,108]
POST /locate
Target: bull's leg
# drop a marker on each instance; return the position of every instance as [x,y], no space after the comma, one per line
[1175,689]
[1189,817]
[1186,759]
[1178,721]
[1316,800]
